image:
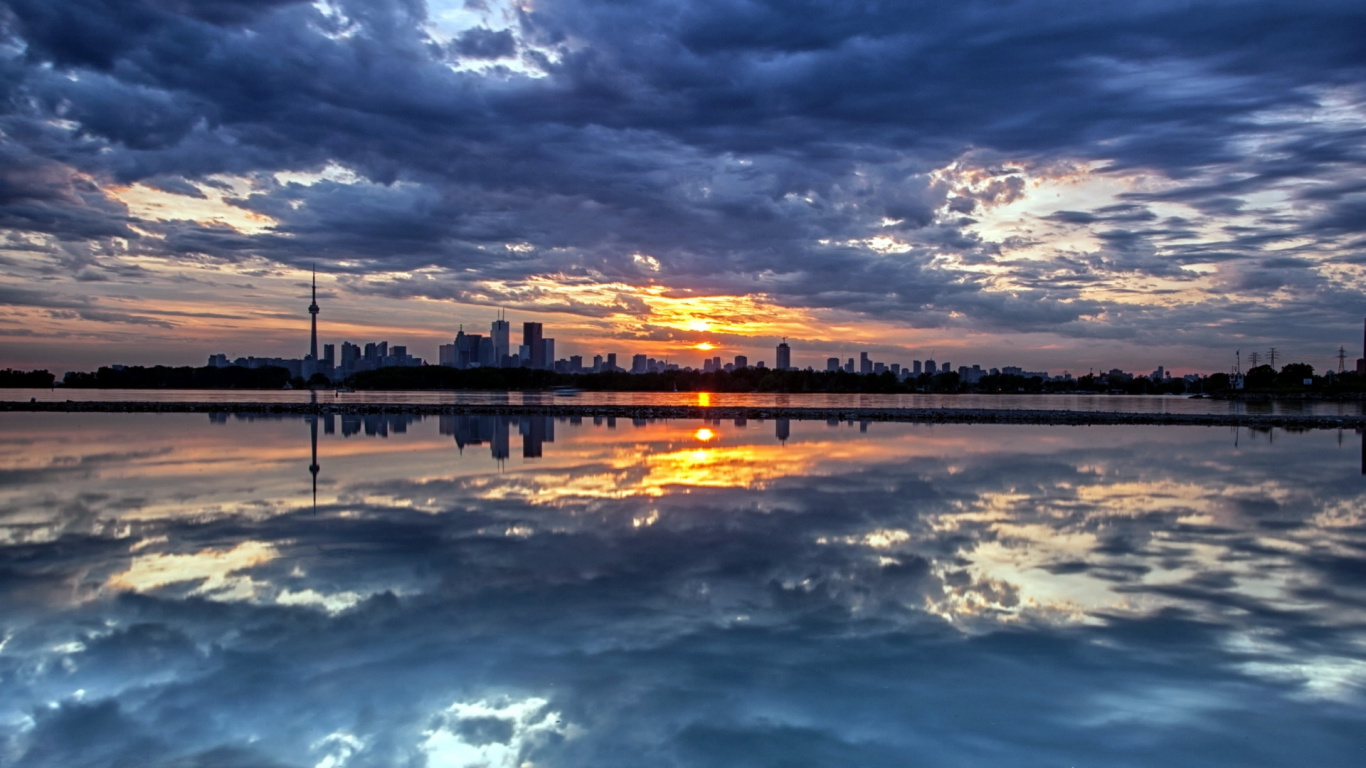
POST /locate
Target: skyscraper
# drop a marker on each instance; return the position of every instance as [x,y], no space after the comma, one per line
[501,331]
[865,366]
[533,340]
[784,356]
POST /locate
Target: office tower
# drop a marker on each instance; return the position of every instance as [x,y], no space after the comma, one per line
[945,368]
[716,363]
[849,365]
[832,364]
[597,363]
[915,367]
[446,355]
[611,361]
[313,310]
[484,354]
[534,341]
[639,364]
[741,361]
[865,366]
[462,350]
[548,352]
[500,333]
[576,363]
[218,361]
[708,366]
[350,356]
[784,356]
[878,368]
[896,370]
[930,367]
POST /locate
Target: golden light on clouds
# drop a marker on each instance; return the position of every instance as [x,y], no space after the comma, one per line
[213,209]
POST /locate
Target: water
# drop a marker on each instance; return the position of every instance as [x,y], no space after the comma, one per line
[1104,403]
[531,591]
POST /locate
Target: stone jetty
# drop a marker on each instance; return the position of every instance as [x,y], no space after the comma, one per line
[915,415]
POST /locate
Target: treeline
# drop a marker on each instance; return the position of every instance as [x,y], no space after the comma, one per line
[163,377]
[742,380]
[1289,379]
[10,378]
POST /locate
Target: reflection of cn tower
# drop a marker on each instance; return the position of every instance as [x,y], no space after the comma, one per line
[313,468]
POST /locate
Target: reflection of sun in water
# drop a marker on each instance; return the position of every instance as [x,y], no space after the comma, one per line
[704,434]
[703,399]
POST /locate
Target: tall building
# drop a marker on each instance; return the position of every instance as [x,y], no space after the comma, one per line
[313,310]
[741,361]
[534,342]
[611,363]
[639,364]
[501,333]
[784,356]
[865,366]
[832,364]
[930,367]
[548,352]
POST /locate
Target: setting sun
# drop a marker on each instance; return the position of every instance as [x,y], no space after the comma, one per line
[704,346]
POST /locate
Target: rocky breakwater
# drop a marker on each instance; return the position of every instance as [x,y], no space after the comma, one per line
[918,415]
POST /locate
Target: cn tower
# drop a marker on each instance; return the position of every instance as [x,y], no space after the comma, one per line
[313,310]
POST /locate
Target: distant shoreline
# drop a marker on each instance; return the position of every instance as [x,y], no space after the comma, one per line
[686,412]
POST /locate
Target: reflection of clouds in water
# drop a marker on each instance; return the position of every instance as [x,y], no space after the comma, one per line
[937,596]
[484,734]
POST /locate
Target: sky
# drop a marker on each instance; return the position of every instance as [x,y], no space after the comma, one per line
[1054,185]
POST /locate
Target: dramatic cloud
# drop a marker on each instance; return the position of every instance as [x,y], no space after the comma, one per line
[1032,171]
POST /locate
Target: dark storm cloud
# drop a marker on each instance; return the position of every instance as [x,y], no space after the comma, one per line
[725,139]
[484,43]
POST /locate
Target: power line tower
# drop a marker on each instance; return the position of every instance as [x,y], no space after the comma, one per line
[1271,357]
[1342,360]
[1252,359]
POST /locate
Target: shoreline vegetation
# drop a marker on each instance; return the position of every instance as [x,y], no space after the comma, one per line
[1293,381]
[693,412]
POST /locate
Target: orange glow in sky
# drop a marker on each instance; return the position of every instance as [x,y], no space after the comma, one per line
[704,346]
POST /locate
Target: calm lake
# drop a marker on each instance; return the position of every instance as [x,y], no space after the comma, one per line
[393,590]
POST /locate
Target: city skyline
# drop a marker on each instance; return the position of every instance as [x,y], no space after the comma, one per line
[1131,186]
